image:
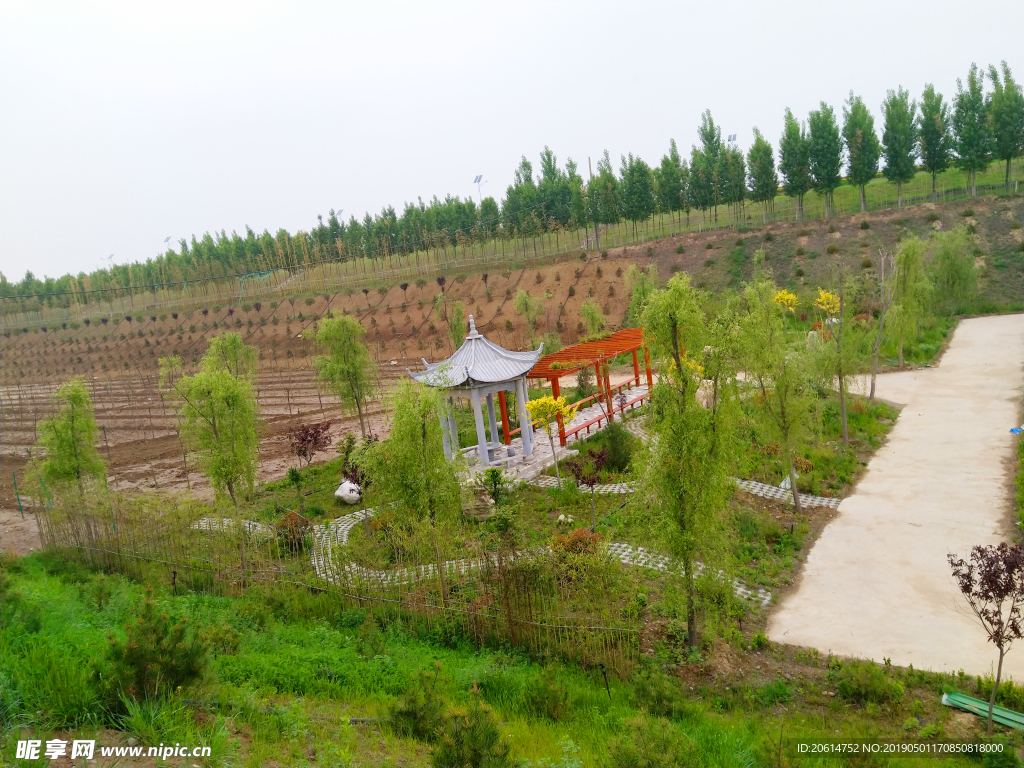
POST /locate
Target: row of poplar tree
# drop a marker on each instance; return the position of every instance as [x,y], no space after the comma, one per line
[970,131]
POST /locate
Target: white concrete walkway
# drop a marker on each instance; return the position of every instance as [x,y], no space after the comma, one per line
[877,583]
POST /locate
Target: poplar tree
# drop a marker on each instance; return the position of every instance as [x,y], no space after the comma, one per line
[794,161]
[825,153]
[66,447]
[734,178]
[933,133]
[862,148]
[764,181]
[1007,115]
[345,368]
[637,190]
[669,181]
[899,139]
[971,136]
[711,149]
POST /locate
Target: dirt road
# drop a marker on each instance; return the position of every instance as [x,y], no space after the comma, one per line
[877,583]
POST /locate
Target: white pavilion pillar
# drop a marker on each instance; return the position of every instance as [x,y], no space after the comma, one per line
[492,423]
[481,435]
[453,428]
[524,417]
[445,438]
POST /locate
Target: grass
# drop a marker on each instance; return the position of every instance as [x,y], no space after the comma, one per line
[284,694]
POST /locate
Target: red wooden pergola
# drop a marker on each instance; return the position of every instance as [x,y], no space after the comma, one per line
[592,354]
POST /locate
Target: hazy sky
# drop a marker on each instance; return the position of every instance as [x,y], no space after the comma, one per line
[123,124]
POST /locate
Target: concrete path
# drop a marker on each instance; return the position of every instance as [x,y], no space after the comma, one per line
[877,584]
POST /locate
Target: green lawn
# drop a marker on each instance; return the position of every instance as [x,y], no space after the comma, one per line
[285,675]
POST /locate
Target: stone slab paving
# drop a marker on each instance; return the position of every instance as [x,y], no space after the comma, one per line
[335,534]
[780,494]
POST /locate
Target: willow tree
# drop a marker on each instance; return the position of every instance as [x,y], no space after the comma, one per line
[217,412]
[952,270]
[842,351]
[779,370]
[66,446]
[409,472]
[345,367]
[687,463]
[911,292]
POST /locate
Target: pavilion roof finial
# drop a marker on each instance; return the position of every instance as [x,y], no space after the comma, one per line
[473,332]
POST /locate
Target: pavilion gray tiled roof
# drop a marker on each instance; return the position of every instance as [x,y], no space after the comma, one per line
[477,361]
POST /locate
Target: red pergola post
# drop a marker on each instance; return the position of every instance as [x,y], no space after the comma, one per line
[636,369]
[598,380]
[647,367]
[505,428]
[556,392]
[606,383]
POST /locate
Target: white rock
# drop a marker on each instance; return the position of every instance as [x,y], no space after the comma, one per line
[348,492]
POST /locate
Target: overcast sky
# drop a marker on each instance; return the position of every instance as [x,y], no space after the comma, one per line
[123,124]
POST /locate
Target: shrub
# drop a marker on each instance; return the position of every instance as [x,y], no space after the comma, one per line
[770,694]
[471,738]
[968,212]
[865,682]
[799,272]
[760,641]
[576,554]
[547,696]
[599,272]
[572,291]
[800,251]
[620,446]
[675,268]
[618,272]
[932,216]
[866,263]
[865,224]
[832,248]
[653,743]
[604,254]
[680,248]
[831,228]
[158,654]
[657,693]
[709,246]
[768,237]
[419,712]
[611,290]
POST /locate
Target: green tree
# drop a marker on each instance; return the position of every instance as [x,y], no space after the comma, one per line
[795,162]
[779,370]
[734,178]
[605,193]
[687,464]
[66,447]
[640,284]
[409,472]
[842,351]
[933,133]
[911,292]
[899,139]
[218,413]
[825,153]
[669,181]
[530,309]
[971,135]
[345,367]
[711,150]
[637,190]
[764,181]
[1007,115]
[862,148]
[953,274]
[592,317]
